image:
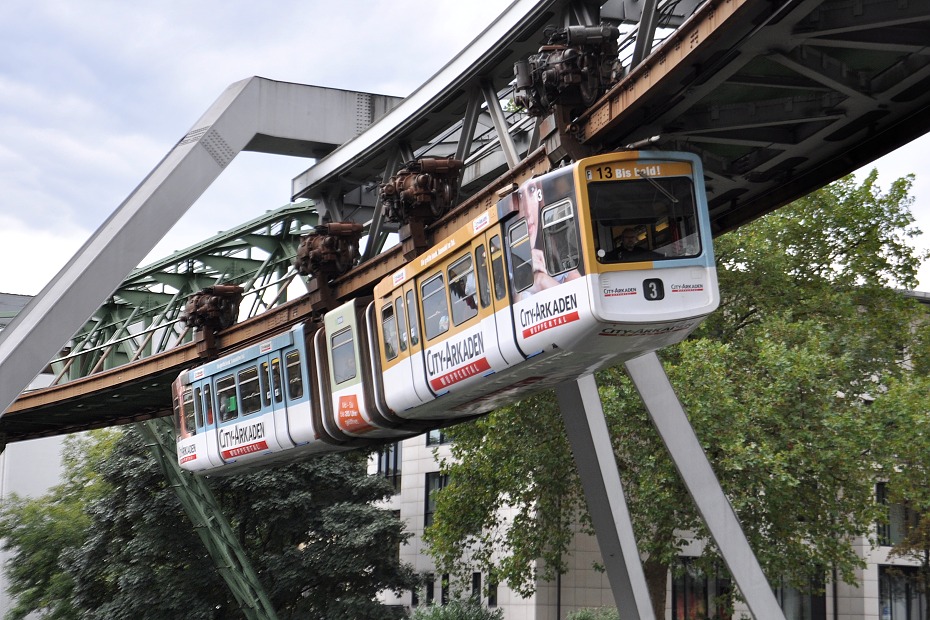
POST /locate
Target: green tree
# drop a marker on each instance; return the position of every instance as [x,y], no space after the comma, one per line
[905,405]
[140,557]
[38,531]
[774,384]
[319,545]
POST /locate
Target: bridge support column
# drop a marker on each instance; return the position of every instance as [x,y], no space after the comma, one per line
[597,467]
[212,527]
[672,423]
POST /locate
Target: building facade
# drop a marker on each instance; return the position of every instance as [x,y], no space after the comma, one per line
[883,591]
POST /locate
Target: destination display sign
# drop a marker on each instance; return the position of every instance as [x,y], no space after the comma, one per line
[632,171]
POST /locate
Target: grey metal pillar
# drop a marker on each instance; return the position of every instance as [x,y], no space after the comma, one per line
[255,114]
[597,467]
[231,562]
[676,431]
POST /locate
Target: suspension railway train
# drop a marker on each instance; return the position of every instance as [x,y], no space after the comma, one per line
[583,267]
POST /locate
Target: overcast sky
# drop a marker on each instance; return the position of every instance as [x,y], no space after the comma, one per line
[94,93]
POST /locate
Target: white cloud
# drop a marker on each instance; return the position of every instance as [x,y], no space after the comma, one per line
[93,94]
[32,256]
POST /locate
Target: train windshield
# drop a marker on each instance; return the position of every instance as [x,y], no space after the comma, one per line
[648,217]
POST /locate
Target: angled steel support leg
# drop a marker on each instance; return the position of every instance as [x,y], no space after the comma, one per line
[230,559]
[597,466]
[676,431]
[253,115]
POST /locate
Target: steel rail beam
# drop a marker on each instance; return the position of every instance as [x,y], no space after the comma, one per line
[667,62]
[152,374]
[481,58]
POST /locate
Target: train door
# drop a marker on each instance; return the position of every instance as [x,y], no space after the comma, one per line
[415,331]
[271,388]
[489,260]
[204,396]
[295,390]
[401,381]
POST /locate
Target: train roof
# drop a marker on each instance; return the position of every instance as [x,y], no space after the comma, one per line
[278,341]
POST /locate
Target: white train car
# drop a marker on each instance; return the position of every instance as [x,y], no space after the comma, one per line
[581,268]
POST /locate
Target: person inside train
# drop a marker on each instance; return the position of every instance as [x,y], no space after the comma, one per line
[627,248]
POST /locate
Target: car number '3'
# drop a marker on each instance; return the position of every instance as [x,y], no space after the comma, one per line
[653,289]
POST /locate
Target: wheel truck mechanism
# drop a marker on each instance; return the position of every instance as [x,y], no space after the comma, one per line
[423,189]
[573,69]
[210,310]
[329,251]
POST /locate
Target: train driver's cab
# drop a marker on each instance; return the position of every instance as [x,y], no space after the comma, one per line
[653,218]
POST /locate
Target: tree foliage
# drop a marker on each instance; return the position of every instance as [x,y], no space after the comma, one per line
[908,430]
[466,609]
[776,384]
[123,547]
[38,531]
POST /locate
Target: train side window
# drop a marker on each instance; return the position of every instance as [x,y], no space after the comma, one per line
[343,353]
[521,256]
[484,285]
[295,382]
[226,394]
[389,331]
[276,380]
[435,307]
[208,403]
[462,290]
[497,268]
[187,409]
[401,323]
[266,389]
[198,410]
[412,316]
[560,239]
[249,390]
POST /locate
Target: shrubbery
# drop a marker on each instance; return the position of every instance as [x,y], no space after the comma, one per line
[469,609]
[599,613]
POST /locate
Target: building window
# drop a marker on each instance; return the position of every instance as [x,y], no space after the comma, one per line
[430,588]
[807,604]
[444,590]
[436,437]
[696,596]
[389,461]
[901,519]
[900,596]
[434,483]
[492,593]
